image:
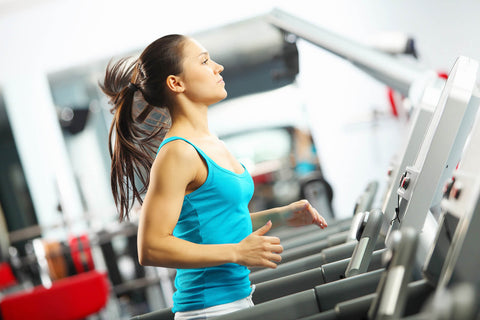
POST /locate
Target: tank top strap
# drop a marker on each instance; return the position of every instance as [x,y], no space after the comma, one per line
[165,141]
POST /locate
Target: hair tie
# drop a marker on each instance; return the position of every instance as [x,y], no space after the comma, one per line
[132,86]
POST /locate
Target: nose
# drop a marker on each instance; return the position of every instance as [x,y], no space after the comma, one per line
[218,68]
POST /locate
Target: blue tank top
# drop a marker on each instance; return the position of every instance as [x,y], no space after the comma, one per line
[215,213]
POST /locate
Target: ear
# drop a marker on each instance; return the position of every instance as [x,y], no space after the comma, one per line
[175,84]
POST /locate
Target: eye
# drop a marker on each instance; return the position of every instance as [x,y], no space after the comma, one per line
[205,61]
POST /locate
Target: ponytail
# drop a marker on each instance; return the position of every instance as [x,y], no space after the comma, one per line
[137,89]
[133,138]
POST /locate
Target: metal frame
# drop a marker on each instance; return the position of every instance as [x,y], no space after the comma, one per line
[441,149]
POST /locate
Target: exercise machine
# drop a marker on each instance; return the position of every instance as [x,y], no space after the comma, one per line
[396,279]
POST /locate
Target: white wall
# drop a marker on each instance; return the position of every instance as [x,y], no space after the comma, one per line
[53,35]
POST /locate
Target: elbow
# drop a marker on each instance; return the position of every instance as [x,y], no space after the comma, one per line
[146,259]
[144,255]
[149,257]
[153,253]
[142,260]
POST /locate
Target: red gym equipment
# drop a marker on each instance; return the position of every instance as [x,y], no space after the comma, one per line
[71,298]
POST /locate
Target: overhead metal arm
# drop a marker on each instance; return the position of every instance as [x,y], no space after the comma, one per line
[395,73]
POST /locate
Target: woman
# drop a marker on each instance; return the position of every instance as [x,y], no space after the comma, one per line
[195,214]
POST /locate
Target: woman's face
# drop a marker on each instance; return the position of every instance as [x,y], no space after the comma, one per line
[201,75]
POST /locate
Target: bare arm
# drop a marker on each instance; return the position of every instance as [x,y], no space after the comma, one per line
[176,168]
[296,214]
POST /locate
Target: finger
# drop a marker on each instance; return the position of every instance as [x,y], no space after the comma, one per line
[307,215]
[274,257]
[310,211]
[276,249]
[321,221]
[317,218]
[318,223]
[272,240]
[324,222]
[269,264]
[264,229]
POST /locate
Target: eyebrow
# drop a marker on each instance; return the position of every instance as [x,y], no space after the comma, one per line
[203,53]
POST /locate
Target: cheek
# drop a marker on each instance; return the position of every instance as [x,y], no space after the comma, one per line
[199,78]
[195,80]
[195,87]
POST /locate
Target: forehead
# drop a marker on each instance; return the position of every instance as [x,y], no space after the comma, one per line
[193,49]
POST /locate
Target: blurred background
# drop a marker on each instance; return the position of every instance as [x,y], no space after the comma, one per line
[305,122]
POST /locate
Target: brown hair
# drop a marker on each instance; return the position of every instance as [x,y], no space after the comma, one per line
[136,88]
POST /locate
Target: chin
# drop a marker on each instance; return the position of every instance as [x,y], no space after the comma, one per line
[223,96]
[220,97]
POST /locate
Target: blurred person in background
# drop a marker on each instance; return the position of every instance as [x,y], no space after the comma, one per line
[194,215]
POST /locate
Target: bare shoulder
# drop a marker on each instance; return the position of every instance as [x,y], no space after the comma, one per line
[176,154]
[177,149]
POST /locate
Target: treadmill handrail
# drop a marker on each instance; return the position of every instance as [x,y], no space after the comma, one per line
[395,73]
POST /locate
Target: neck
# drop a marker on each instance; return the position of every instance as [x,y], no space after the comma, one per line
[190,120]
